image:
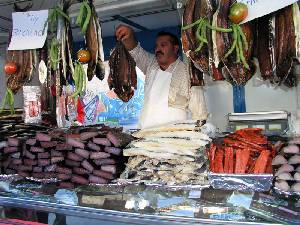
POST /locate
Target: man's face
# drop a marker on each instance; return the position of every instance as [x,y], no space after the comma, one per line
[165,51]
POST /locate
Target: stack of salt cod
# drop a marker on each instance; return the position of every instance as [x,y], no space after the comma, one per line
[172,154]
[287,166]
[81,158]
[247,151]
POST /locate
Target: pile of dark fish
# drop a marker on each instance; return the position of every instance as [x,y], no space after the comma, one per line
[271,39]
[122,77]
[92,156]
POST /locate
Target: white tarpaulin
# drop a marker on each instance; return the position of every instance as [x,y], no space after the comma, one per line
[258,8]
[27,30]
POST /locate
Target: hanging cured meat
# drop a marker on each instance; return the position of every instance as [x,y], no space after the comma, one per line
[122,77]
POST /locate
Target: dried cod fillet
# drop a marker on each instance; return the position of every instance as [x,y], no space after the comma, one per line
[195,143]
[155,155]
[188,125]
[171,148]
[166,149]
[189,135]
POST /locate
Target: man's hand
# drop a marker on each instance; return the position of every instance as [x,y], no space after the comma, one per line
[126,35]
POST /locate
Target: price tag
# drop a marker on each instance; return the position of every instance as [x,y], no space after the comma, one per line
[195,194]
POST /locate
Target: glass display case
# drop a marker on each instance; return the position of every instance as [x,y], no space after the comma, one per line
[140,204]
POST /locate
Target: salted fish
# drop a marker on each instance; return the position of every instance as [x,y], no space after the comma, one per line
[165,149]
[171,148]
[282,185]
[296,187]
[189,135]
[156,155]
[291,149]
[285,168]
[186,125]
[285,176]
[195,143]
[279,160]
[295,159]
[297,176]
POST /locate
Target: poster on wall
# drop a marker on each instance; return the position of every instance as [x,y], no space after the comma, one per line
[102,105]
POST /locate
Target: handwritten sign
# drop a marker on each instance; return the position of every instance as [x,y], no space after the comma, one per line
[258,8]
[27,30]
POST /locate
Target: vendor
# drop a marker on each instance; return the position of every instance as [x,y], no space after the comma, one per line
[167,82]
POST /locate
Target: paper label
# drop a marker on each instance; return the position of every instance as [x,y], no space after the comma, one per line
[42,72]
[195,194]
[259,8]
[27,30]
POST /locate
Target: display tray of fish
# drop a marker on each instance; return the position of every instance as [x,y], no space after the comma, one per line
[287,168]
[171,154]
[242,161]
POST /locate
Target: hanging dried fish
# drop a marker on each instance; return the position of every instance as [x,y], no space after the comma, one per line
[238,65]
[265,46]
[25,60]
[122,78]
[285,45]
[92,30]
[196,75]
[278,45]
[192,40]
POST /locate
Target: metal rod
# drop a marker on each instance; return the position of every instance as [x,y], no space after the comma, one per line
[5,18]
[13,2]
[129,22]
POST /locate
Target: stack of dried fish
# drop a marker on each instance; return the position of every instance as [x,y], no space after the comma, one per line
[122,77]
[92,156]
[278,45]
[171,154]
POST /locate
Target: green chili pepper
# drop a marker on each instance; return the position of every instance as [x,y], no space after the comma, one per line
[192,24]
[234,44]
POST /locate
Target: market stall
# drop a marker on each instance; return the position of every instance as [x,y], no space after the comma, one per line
[74,148]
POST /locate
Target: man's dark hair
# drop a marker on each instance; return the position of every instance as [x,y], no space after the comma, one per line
[174,39]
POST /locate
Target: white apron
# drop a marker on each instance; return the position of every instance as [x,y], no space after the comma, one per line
[156,110]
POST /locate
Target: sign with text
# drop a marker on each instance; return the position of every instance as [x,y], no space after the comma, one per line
[27,30]
[258,8]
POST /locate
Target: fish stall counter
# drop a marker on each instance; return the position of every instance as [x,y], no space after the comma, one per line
[55,171]
[139,204]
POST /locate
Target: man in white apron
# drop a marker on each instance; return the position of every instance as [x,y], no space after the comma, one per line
[167,82]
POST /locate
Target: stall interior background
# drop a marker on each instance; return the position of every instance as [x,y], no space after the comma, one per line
[148,17]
